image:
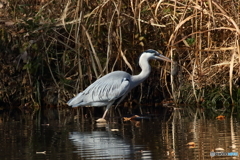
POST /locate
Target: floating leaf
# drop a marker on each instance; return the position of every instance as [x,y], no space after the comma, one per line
[219,149]
[101,120]
[44,152]
[220,117]
[191,144]
[233,146]
[141,38]
[141,44]
[130,118]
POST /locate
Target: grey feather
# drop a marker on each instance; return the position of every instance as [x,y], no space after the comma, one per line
[108,88]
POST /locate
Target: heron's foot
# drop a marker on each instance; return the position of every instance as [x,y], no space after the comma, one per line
[101,120]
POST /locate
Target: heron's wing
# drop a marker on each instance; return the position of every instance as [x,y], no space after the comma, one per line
[75,100]
[106,89]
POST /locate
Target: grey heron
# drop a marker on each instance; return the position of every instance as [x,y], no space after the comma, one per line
[115,85]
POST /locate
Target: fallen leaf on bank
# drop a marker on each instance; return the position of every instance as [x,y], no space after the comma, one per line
[170,153]
[1,5]
[68,78]
[220,117]
[167,103]
[9,23]
[21,30]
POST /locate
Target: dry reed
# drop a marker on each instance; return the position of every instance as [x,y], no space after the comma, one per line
[76,42]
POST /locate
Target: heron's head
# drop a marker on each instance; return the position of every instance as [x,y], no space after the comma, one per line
[152,54]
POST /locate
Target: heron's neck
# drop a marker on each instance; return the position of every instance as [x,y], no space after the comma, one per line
[146,69]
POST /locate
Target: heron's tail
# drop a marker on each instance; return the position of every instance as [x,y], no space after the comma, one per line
[75,101]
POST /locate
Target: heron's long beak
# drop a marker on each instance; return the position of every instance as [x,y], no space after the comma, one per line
[163,58]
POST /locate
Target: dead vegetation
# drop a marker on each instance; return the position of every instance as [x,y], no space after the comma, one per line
[53,49]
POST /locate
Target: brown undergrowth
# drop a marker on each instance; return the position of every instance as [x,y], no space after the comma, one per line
[53,49]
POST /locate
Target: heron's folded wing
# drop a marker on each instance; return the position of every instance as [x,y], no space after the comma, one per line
[121,90]
[75,100]
[106,90]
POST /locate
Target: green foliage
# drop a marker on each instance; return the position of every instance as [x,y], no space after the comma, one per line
[217,97]
[190,41]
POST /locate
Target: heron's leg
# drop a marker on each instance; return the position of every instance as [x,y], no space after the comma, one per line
[108,106]
[120,100]
[102,120]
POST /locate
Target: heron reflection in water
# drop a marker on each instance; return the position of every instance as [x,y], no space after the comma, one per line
[107,145]
[116,85]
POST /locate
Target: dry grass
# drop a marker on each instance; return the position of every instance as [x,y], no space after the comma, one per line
[205,41]
[60,47]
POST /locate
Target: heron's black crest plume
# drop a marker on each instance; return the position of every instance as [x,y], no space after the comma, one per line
[147,51]
[152,51]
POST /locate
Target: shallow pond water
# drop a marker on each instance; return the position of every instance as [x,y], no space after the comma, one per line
[179,136]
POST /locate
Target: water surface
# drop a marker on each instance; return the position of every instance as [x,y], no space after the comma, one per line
[179,136]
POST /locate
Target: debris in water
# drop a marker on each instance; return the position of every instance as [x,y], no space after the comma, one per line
[130,118]
[44,152]
[219,149]
[191,145]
